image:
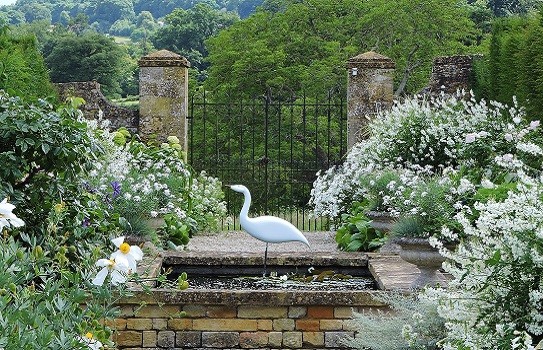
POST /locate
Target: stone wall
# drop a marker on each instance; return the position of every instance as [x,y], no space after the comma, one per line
[451,73]
[234,326]
[95,102]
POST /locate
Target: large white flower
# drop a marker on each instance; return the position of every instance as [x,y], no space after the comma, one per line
[118,267]
[7,218]
[131,253]
[92,343]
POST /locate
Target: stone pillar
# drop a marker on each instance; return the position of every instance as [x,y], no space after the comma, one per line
[370,89]
[164,97]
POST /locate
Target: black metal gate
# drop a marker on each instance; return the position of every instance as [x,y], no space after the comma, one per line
[273,148]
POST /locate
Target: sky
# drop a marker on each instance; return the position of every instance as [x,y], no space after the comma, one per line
[7,2]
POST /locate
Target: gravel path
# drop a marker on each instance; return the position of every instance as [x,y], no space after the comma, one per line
[239,241]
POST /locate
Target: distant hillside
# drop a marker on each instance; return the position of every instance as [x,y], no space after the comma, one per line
[104,13]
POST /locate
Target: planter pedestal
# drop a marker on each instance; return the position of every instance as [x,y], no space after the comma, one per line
[428,260]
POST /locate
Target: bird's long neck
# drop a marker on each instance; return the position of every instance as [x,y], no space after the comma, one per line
[246,204]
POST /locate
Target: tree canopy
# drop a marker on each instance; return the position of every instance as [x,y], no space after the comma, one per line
[22,70]
[185,31]
[87,57]
[292,45]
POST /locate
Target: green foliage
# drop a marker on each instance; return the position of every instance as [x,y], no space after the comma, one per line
[22,70]
[514,64]
[186,30]
[424,209]
[378,187]
[85,58]
[105,14]
[42,151]
[356,232]
[40,300]
[306,44]
[412,324]
[175,231]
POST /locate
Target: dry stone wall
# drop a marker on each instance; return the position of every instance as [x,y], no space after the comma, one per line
[96,104]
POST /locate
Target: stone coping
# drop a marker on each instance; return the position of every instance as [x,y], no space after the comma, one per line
[390,272]
[240,297]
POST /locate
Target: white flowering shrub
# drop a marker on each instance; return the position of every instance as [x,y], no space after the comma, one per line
[495,300]
[428,137]
[140,181]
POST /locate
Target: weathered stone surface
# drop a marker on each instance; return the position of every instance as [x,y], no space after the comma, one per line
[149,339]
[253,340]
[313,338]
[96,105]
[333,339]
[292,340]
[297,311]
[283,324]
[127,338]
[188,339]
[139,324]
[220,339]
[215,324]
[262,312]
[160,323]
[163,97]
[275,339]
[369,91]
[307,325]
[450,73]
[166,339]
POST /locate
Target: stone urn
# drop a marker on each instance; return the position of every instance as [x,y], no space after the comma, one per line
[384,222]
[419,252]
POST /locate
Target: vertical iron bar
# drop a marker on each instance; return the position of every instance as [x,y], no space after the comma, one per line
[266,160]
[191,130]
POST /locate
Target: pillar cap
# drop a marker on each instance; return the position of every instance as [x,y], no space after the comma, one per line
[163,58]
[371,59]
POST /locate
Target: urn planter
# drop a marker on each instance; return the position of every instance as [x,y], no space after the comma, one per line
[419,252]
[384,222]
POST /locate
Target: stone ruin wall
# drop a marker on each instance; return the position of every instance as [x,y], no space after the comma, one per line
[451,73]
[95,102]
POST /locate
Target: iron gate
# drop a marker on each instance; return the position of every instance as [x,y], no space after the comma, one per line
[273,148]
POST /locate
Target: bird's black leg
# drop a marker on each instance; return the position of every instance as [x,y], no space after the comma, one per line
[265,259]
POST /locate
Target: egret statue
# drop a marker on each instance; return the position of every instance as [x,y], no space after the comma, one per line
[269,229]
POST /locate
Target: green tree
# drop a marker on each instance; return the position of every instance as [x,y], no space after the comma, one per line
[87,57]
[412,33]
[22,70]
[304,45]
[186,30]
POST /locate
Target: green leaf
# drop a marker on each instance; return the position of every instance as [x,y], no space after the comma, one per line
[354,246]
[495,259]
[45,148]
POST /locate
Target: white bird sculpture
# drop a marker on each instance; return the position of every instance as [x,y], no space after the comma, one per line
[269,229]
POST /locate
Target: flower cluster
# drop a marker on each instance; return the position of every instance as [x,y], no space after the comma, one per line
[140,182]
[422,139]
[496,297]
[7,218]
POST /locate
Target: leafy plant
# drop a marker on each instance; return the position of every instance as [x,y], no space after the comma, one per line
[357,234]
[175,231]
